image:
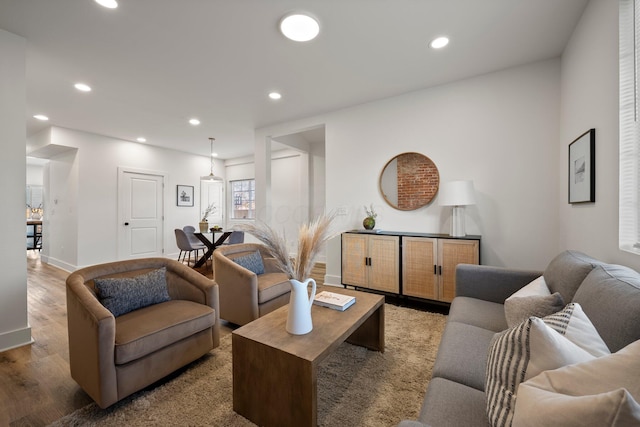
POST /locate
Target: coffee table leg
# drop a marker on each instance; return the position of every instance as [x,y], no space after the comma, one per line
[273,388]
[371,333]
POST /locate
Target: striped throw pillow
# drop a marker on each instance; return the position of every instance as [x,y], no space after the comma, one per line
[519,353]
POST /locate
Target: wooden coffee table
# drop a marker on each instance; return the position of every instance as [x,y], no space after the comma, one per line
[275,372]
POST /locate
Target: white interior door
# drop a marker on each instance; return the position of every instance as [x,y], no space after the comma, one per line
[140,215]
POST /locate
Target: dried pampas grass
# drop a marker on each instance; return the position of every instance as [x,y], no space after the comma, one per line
[311,239]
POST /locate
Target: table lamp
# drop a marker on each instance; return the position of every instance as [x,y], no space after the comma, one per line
[457,194]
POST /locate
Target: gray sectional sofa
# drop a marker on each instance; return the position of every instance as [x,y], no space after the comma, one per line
[609,296]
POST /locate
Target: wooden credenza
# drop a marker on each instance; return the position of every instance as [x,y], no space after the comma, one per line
[410,264]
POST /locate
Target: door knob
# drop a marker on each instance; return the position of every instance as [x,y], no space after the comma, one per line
[126,223]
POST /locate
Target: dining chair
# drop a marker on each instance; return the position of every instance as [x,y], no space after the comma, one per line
[190,232]
[187,246]
[235,238]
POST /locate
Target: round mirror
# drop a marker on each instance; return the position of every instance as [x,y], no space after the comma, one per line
[409,181]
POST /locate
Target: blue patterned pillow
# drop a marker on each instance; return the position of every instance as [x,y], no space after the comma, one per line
[252,262]
[124,294]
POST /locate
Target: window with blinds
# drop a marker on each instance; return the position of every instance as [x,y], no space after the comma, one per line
[629,209]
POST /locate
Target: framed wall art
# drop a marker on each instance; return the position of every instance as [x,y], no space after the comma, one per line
[184,195]
[582,168]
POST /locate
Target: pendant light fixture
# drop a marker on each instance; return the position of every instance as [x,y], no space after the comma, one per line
[211,176]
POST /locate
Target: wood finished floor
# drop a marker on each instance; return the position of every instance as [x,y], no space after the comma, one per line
[36,387]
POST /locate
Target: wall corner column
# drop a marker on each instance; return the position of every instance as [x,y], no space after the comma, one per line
[14,326]
[263,178]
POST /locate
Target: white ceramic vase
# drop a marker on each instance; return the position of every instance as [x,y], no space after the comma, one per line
[300,303]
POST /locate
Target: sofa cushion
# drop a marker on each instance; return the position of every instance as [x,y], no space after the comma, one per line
[462,355]
[566,272]
[451,404]
[477,312]
[252,262]
[124,294]
[272,285]
[149,329]
[518,354]
[602,391]
[610,297]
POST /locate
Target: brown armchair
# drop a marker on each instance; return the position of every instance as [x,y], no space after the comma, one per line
[112,357]
[245,295]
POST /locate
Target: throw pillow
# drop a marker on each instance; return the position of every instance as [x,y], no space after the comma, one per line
[537,287]
[518,309]
[602,391]
[252,262]
[520,353]
[574,324]
[124,294]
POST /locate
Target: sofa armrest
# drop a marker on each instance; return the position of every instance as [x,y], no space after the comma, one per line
[494,284]
[192,285]
[92,335]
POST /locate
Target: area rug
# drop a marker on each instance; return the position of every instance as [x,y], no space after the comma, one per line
[356,386]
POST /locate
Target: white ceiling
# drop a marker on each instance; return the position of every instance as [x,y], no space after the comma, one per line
[153,64]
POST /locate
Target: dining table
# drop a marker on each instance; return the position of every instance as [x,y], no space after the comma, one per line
[211,244]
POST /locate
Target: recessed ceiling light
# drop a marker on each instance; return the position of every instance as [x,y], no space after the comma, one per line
[299,27]
[141,139]
[194,122]
[41,117]
[82,87]
[275,95]
[110,4]
[214,154]
[439,42]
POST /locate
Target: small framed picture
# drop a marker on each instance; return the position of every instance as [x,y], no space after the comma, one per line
[582,168]
[184,195]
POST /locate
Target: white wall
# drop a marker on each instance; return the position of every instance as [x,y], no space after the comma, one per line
[35,174]
[318,179]
[500,130]
[590,100]
[290,209]
[14,325]
[297,189]
[83,223]
[60,222]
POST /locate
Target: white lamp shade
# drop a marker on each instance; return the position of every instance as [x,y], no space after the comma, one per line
[457,193]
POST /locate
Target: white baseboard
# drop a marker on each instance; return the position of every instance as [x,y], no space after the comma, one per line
[331,280]
[15,339]
[57,263]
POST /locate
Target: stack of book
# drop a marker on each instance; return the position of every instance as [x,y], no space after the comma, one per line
[333,300]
